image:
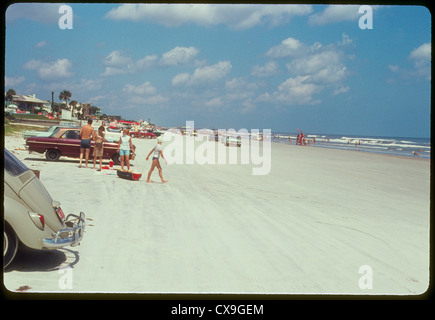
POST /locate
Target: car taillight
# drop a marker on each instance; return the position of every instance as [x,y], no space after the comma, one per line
[38,219]
[41,219]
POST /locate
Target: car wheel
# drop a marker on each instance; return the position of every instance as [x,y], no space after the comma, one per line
[10,245]
[116,159]
[52,155]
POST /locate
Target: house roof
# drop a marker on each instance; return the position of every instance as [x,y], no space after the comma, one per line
[27,98]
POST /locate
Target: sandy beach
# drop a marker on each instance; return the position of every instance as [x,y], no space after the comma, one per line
[321,221]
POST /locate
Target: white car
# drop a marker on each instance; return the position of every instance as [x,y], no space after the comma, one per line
[31,216]
[232,141]
[111,135]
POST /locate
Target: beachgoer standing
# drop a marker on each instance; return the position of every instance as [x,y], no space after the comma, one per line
[86,134]
[157,152]
[124,146]
[303,142]
[98,147]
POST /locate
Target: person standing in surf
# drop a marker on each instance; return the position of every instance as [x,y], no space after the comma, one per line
[157,152]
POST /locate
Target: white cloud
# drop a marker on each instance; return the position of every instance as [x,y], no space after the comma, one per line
[178,55]
[116,63]
[78,87]
[57,69]
[147,62]
[40,44]
[111,71]
[270,68]
[287,47]
[293,91]
[152,100]
[13,81]
[393,68]
[421,57]
[144,93]
[335,13]
[237,16]
[313,69]
[117,59]
[341,90]
[214,102]
[145,88]
[323,67]
[345,40]
[298,90]
[207,74]
[47,13]
[181,79]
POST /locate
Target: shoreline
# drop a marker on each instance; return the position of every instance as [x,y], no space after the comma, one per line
[361,151]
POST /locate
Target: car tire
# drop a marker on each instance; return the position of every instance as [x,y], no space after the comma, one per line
[10,245]
[116,159]
[52,155]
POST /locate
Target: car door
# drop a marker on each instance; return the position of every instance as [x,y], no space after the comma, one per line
[69,143]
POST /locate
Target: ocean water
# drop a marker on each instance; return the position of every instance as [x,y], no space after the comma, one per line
[410,147]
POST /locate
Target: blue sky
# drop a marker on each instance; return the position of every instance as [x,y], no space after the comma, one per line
[279,67]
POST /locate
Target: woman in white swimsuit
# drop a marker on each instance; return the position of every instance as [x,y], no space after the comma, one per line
[157,152]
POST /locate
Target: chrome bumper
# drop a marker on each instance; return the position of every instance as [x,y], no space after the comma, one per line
[70,236]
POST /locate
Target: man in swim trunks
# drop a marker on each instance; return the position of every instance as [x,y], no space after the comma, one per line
[86,135]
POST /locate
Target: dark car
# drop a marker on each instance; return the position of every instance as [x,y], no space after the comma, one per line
[66,142]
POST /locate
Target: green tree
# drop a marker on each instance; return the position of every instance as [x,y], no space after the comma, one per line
[10,94]
[65,95]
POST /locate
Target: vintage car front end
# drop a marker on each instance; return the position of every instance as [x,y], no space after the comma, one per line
[31,216]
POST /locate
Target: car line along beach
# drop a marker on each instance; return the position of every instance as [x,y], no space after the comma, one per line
[320,221]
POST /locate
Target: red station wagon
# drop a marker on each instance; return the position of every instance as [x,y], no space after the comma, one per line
[66,142]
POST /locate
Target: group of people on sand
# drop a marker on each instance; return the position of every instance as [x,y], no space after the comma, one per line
[87,134]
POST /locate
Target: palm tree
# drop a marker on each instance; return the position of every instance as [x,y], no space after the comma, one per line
[65,95]
[10,94]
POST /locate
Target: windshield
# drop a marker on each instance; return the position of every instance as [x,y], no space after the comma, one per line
[12,165]
[54,132]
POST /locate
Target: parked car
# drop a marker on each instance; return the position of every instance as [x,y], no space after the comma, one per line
[111,135]
[66,142]
[232,141]
[31,216]
[35,133]
[148,134]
